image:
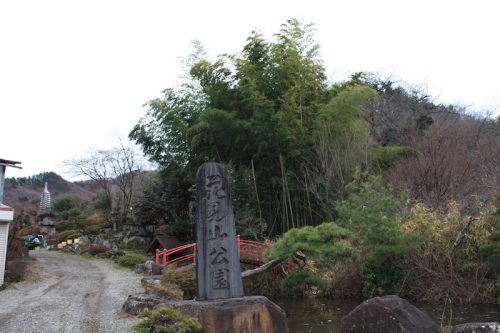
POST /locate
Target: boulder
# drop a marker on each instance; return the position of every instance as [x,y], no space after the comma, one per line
[151,280]
[476,328]
[140,268]
[137,302]
[149,267]
[252,314]
[157,269]
[388,314]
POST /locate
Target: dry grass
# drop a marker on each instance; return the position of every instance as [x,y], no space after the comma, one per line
[170,291]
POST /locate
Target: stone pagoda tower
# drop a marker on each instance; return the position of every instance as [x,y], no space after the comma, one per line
[45,205]
[47,225]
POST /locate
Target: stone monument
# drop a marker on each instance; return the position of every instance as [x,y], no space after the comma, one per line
[218,265]
[220,304]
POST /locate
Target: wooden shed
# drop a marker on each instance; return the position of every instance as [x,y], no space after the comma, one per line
[162,242]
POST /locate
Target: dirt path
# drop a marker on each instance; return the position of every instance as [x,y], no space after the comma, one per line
[72,295]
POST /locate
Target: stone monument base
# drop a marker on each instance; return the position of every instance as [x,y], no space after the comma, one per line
[253,314]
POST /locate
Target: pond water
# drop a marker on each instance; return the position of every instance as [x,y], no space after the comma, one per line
[324,315]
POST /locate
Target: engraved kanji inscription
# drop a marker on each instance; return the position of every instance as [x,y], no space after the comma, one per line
[218,256]
[218,266]
[220,279]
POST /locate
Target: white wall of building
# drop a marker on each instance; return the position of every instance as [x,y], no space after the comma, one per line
[4,233]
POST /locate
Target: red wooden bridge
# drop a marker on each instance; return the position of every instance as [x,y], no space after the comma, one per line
[250,252]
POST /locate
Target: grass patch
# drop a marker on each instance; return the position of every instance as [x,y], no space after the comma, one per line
[166,319]
[132,259]
[185,279]
[169,291]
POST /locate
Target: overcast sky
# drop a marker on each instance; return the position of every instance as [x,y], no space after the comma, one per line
[74,74]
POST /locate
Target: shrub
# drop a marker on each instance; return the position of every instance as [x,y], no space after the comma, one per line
[490,249]
[115,253]
[297,283]
[97,249]
[16,270]
[184,278]
[132,259]
[445,269]
[325,241]
[69,234]
[17,250]
[170,291]
[135,244]
[65,225]
[90,225]
[35,230]
[166,320]
[265,283]
[342,278]
[384,270]
[374,215]
[387,157]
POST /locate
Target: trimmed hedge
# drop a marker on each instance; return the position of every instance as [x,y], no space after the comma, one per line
[132,259]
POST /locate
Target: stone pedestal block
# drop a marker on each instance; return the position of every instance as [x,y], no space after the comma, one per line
[254,314]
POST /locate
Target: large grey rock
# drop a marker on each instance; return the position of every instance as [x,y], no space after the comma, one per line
[476,328]
[149,265]
[254,314]
[146,281]
[137,302]
[388,314]
[137,239]
[140,268]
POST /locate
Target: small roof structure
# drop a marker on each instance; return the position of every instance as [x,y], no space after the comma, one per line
[3,165]
[163,242]
[10,163]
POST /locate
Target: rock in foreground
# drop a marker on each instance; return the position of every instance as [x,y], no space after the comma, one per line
[137,302]
[252,314]
[477,328]
[388,314]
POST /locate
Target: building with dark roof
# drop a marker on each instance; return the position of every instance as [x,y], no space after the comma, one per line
[162,242]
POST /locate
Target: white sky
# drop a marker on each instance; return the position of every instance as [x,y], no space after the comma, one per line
[75,73]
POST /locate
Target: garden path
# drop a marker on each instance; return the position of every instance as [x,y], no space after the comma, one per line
[70,294]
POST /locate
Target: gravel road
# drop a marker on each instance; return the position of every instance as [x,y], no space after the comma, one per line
[71,295]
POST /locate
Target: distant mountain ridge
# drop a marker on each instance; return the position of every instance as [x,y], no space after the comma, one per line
[23,193]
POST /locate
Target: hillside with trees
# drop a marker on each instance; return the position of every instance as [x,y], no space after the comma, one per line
[410,187]
[23,193]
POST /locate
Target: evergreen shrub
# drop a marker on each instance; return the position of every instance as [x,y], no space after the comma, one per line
[298,282]
[184,278]
[132,259]
[166,320]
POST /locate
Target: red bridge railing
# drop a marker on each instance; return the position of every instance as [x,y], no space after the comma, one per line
[249,252]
